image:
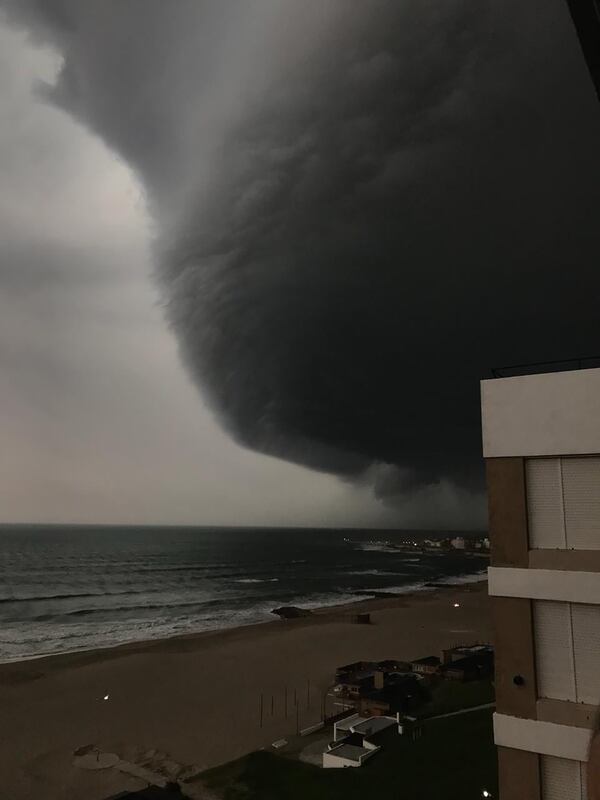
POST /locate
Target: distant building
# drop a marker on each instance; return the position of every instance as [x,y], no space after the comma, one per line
[471,667]
[375,687]
[401,692]
[358,671]
[430,665]
[461,651]
[458,543]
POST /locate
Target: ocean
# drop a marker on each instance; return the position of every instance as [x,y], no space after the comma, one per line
[70,588]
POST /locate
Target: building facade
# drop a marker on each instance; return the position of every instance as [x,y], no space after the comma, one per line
[586,18]
[541,443]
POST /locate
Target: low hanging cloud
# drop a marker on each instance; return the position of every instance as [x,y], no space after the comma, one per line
[359,208]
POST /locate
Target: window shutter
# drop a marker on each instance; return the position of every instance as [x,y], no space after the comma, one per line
[544,503]
[554,650]
[562,779]
[586,645]
[581,489]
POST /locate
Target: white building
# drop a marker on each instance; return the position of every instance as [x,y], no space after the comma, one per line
[355,740]
[458,543]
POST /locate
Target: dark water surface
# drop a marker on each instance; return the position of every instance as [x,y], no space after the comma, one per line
[79,587]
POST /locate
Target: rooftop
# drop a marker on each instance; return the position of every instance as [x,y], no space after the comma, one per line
[471,660]
[366,668]
[431,661]
[475,649]
[373,725]
[536,368]
[349,751]
[348,722]
[362,675]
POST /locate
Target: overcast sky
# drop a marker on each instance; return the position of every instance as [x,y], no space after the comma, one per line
[255,257]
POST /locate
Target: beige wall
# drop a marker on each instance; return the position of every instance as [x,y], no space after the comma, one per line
[519,774]
[507,511]
[542,415]
[513,636]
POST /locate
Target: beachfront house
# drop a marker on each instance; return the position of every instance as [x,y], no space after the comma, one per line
[401,692]
[348,673]
[357,739]
[467,663]
[470,668]
[376,688]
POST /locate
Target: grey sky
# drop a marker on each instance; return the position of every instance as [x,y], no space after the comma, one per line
[353,211]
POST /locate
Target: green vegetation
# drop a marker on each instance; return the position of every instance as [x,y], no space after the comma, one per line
[454,759]
[448,696]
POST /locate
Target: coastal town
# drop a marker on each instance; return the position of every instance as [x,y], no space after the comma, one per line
[463,542]
[373,711]
[380,697]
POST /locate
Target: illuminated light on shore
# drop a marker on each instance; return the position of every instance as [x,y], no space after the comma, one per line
[106,696]
[457,605]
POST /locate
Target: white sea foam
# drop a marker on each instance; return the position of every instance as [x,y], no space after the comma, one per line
[376,547]
[459,580]
[452,580]
[327,600]
[382,572]
[256,580]
[407,588]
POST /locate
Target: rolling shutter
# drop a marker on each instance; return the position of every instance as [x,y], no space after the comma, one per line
[563,503]
[554,650]
[586,647]
[567,645]
[544,503]
[581,490]
[562,779]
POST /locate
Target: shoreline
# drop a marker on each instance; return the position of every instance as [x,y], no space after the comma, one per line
[320,615]
[361,597]
[191,702]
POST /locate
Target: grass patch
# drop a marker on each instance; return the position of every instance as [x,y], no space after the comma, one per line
[455,759]
[449,696]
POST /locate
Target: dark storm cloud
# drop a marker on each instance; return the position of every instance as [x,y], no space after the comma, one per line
[360,207]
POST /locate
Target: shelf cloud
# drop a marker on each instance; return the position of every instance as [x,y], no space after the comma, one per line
[358,208]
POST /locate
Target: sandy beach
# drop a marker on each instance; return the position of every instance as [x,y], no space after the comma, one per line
[195,699]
